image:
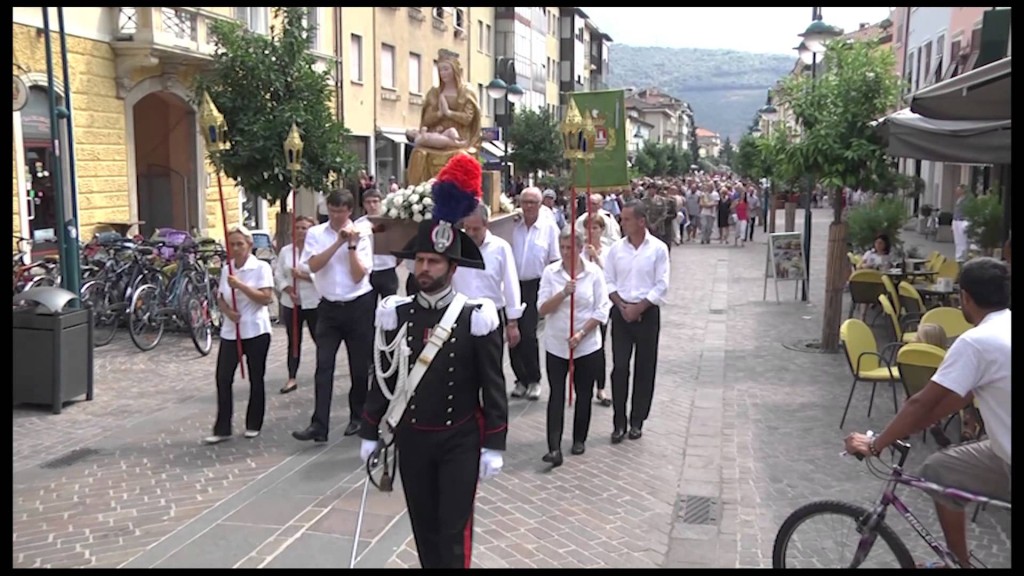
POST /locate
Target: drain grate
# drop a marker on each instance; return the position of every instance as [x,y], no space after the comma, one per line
[69,459]
[700,510]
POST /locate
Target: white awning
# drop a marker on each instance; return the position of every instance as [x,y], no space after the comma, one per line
[496,148]
[981,94]
[396,135]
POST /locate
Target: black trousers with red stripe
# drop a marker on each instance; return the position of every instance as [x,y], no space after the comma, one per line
[439,476]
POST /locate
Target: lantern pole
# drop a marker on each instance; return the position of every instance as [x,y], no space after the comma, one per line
[214,133]
[293,159]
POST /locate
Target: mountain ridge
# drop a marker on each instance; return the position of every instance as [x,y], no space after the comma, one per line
[725,88]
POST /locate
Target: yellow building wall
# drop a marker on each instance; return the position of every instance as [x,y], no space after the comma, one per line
[360,96]
[99,123]
[481,57]
[397,28]
[554,53]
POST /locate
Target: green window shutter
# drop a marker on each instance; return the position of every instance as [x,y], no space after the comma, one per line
[995,34]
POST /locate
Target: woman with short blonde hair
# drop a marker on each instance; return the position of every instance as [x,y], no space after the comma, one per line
[251,281]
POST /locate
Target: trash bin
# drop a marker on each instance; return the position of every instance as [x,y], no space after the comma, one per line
[53,353]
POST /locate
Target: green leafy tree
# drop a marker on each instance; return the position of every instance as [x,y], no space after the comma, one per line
[680,161]
[537,141]
[656,160]
[262,84]
[747,160]
[838,145]
[727,152]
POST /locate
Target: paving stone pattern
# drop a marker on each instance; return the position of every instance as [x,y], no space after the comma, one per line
[737,419]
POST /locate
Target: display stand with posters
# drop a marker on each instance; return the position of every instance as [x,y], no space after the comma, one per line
[784,262]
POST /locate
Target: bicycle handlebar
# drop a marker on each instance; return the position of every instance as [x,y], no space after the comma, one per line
[898,446]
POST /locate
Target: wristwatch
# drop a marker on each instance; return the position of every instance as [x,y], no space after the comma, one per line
[352,246]
[871,447]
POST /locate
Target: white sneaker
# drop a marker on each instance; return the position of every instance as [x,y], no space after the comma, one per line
[252,433]
[534,391]
[519,391]
[215,439]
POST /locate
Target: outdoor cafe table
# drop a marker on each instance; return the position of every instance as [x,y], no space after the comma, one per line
[897,275]
[935,291]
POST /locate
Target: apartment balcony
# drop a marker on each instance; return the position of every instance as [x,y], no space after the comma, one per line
[171,37]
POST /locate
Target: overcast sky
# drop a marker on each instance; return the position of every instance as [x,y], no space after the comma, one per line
[759,30]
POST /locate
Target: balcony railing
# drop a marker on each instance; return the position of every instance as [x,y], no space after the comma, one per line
[172,30]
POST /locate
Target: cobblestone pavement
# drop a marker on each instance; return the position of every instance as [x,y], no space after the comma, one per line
[738,419]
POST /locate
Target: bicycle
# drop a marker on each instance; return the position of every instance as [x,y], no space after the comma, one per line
[870,524]
[181,300]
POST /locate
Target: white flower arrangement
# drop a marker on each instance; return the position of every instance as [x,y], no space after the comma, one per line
[412,203]
[506,205]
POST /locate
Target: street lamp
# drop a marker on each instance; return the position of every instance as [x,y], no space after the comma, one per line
[814,38]
[513,94]
[756,132]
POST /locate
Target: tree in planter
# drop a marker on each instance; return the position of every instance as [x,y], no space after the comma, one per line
[262,84]
[884,216]
[984,215]
[838,144]
[537,142]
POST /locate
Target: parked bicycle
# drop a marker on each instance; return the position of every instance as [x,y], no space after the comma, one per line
[29,274]
[870,524]
[182,300]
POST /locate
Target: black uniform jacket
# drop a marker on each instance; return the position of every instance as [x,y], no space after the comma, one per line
[464,379]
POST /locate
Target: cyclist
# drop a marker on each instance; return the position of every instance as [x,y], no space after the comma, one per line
[976,365]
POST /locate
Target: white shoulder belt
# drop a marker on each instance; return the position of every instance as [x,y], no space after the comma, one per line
[406,380]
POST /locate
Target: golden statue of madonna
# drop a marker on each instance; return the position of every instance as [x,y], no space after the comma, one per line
[449,124]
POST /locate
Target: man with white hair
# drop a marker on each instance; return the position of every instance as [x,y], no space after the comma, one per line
[595,207]
[547,208]
[534,246]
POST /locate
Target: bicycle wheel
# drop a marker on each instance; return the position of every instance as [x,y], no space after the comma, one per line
[200,328]
[105,317]
[808,551]
[144,315]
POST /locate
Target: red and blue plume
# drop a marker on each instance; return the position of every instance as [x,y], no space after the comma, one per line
[458,189]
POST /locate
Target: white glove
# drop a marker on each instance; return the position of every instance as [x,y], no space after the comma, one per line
[366,450]
[491,462]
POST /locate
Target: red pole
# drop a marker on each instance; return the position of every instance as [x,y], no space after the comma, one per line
[227,246]
[295,286]
[572,274]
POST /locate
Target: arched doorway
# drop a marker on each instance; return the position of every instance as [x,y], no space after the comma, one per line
[165,163]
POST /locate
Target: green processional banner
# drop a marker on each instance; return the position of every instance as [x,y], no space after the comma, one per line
[607,110]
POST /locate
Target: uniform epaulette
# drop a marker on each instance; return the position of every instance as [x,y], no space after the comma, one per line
[387,311]
[484,318]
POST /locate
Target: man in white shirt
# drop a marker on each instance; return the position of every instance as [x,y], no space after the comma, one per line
[595,203]
[708,205]
[636,272]
[548,208]
[498,281]
[341,258]
[534,246]
[384,278]
[976,368]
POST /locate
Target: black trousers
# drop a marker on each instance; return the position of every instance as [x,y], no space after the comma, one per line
[750,227]
[526,356]
[307,316]
[601,372]
[640,337]
[351,323]
[384,282]
[583,377]
[439,476]
[255,351]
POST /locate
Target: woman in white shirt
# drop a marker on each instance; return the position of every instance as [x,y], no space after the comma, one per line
[591,310]
[594,252]
[308,298]
[878,258]
[253,286]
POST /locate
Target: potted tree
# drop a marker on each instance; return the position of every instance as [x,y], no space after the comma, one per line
[945,232]
[984,215]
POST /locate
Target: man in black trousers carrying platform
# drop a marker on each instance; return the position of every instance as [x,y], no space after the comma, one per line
[444,404]
[636,271]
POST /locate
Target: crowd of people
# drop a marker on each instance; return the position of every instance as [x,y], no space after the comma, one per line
[553,282]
